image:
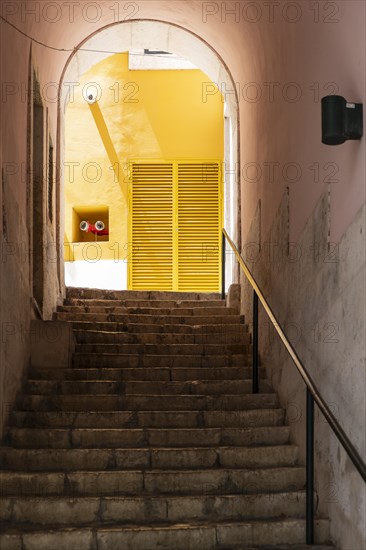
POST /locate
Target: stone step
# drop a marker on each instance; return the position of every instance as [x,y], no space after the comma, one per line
[149,308]
[138,304]
[160,349]
[174,311]
[94,337]
[147,402]
[152,439]
[61,438]
[151,319]
[192,536]
[110,387]
[155,374]
[151,295]
[154,419]
[161,328]
[58,511]
[287,546]
[153,482]
[147,361]
[65,459]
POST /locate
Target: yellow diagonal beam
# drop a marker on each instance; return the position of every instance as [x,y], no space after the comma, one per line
[108,145]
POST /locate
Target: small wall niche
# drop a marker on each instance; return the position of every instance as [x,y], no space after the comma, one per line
[90,214]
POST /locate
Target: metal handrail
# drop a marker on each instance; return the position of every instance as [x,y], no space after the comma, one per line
[313,393]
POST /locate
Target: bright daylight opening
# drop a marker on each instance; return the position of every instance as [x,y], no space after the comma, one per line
[149,159]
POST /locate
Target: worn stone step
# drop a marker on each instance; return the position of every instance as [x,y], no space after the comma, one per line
[58,511]
[151,295]
[144,360]
[117,374]
[179,388]
[94,337]
[152,439]
[201,317]
[190,536]
[151,319]
[147,402]
[155,374]
[218,373]
[199,536]
[135,303]
[152,482]
[164,349]
[151,310]
[161,328]
[66,459]
[287,546]
[150,419]
[56,438]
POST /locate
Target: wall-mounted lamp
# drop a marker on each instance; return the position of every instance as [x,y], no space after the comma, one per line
[341,120]
[92,93]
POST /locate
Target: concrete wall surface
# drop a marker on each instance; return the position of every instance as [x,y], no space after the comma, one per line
[317,292]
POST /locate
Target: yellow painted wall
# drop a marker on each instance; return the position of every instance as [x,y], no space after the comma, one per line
[143,114]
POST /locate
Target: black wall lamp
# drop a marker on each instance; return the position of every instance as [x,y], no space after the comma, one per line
[341,120]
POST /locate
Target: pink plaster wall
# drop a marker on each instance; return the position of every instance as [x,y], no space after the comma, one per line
[329,53]
[305,52]
[272,50]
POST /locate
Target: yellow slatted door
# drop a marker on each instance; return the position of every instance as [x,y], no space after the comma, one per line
[199,226]
[151,226]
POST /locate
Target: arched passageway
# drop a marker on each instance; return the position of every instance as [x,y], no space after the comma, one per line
[301,203]
[82,76]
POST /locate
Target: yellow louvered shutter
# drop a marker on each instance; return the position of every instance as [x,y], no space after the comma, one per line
[151,211]
[175,226]
[199,226]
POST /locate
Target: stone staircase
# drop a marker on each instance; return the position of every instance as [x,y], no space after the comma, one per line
[152,439]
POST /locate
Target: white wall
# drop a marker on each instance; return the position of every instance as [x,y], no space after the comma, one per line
[104,274]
